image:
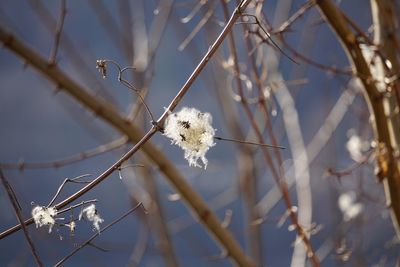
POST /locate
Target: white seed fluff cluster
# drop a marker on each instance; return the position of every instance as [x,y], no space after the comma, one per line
[44,216]
[91,215]
[192,131]
[356,146]
[348,206]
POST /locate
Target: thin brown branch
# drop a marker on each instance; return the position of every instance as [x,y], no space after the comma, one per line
[157,220]
[350,169]
[247,142]
[388,169]
[102,66]
[77,205]
[311,62]
[296,53]
[198,27]
[73,53]
[119,38]
[298,14]
[57,37]
[67,180]
[247,168]
[261,99]
[108,113]
[87,242]
[265,35]
[14,202]
[68,160]
[281,181]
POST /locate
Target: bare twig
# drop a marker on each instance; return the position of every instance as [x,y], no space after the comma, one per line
[87,242]
[14,202]
[247,176]
[194,11]
[278,178]
[73,180]
[77,205]
[298,14]
[102,66]
[247,142]
[57,37]
[157,220]
[140,247]
[387,165]
[268,35]
[68,160]
[74,54]
[349,170]
[108,113]
[119,38]
[198,27]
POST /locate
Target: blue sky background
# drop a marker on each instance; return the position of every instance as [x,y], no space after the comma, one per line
[38,124]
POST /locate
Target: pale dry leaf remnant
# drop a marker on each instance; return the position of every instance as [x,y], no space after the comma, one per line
[71,226]
[101,65]
[356,146]
[44,216]
[191,130]
[348,206]
[91,214]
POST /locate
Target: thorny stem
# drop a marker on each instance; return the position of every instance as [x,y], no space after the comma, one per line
[17,210]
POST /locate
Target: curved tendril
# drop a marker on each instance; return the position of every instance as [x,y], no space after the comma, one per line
[128,84]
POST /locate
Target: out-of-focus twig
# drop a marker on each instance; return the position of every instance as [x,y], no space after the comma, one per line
[119,38]
[198,27]
[388,166]
[18,213]
[157,221]
[57,37]
[73,53]
[68,160]
[247,142]
[208,218]
[298,14]
[248,179]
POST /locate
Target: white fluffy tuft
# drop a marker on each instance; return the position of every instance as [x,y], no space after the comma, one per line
[192,131]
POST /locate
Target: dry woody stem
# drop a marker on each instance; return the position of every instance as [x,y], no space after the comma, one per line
[102,109]
[388,165]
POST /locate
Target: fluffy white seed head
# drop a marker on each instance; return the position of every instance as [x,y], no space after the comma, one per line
[91,215]
[348,206]
[44,216]
[356,146]
[192,131]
